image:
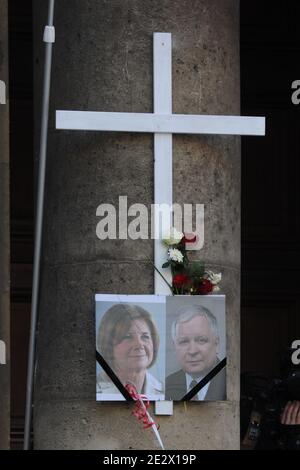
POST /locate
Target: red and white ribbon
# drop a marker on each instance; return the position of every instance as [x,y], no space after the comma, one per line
[140,411]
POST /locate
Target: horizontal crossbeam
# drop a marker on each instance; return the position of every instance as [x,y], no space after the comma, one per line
[160,123]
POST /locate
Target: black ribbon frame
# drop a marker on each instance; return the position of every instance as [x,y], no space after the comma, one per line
[205,380]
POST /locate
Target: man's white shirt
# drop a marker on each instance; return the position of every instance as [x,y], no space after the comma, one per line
[202,393]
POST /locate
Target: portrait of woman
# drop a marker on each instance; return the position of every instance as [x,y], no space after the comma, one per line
[128,341]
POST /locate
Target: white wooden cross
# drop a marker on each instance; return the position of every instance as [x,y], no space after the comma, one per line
[162,123]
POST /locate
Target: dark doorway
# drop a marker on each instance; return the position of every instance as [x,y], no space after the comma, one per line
[21,202]
[270,50]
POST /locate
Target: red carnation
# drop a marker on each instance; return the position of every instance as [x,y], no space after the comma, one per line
[180,280]
[205,287]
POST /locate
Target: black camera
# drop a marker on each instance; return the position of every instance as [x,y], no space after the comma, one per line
[262,402]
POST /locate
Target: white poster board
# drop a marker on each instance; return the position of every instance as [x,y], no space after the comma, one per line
[163,345]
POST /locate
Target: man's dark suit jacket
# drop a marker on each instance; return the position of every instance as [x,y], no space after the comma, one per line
[176,386]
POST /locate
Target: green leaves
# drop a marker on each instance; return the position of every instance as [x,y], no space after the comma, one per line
[196,269]
[166,265]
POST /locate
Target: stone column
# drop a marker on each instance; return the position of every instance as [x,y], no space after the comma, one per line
[4,237]
[103,61]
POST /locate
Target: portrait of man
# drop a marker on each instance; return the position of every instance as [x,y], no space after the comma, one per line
[195,340]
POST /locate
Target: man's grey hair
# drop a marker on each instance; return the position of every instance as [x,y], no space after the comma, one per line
[192,311]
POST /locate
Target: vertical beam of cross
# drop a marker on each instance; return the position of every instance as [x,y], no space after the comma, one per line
[163,173]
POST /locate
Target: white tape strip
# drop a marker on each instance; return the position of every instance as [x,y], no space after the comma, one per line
[2,353]
[2,92]
[49,34]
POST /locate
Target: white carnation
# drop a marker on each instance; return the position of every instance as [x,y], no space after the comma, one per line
[175,255]
[213,277]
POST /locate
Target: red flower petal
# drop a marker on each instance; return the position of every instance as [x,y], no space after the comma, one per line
[205,287]
[180,280]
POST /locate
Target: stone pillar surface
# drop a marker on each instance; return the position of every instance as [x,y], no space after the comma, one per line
[4,238]
[103,62]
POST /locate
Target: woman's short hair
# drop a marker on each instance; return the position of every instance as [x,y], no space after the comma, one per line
[115,324]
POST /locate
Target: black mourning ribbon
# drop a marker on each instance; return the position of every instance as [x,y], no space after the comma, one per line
[101,361]
[205,380]
[113,376]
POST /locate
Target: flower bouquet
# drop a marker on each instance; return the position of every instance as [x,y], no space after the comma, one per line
[188,277]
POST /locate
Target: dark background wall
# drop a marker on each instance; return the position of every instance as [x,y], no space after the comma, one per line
[270,46]
[21,200]
[4,234]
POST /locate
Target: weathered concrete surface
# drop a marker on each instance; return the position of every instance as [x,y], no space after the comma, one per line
[103,61]
[4,235]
